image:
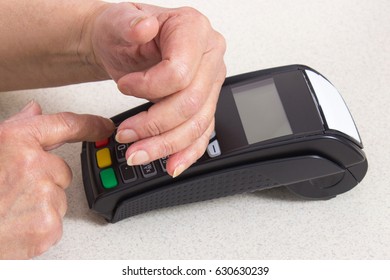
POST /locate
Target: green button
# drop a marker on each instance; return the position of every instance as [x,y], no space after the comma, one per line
[108,178]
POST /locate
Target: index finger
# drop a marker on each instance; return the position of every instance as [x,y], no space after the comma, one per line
[50,130]
[182,48]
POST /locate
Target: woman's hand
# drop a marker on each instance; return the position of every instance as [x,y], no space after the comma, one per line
[33,181]
[172,57]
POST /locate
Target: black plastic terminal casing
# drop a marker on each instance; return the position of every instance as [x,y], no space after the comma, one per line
[314,162]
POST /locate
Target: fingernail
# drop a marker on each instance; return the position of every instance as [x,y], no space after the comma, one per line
[180,169]
[126,136]
[28,105]
[136,21]
[111,123]
[123,87]
[138,158]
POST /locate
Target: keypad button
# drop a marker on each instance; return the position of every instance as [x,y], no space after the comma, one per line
[103,158]
[163,163]
[213,149]
[101,143]
[148,170]
[128,173]
[120,151]
[108,178]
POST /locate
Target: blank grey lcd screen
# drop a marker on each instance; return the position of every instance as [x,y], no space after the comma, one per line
[261,111]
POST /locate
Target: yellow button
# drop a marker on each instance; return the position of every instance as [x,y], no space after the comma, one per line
[103,158]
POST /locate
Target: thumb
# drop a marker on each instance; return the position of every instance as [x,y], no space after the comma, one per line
[134,25]
[31,109]
[51,130]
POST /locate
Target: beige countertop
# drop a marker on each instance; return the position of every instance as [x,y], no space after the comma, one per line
[348,42]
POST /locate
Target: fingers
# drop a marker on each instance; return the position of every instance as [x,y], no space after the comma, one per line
[166,114]
[59,201]
[182,160]
[134,25]
[181,55]
[174,110]
[176,125]
[188,141]
[52,197]
[167,77]
[139,28]
[186,81]
[50,130]
[59,171]
[172,141]
[53,130]
[45,223]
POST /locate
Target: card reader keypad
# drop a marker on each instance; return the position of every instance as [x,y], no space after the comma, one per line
[114,171]
[128,173]
[120,151]
[213,149]
[148,170]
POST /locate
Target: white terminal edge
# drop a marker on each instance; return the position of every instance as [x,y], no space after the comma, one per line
[333,106]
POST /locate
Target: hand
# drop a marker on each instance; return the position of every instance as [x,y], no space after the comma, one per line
[173,57]
[32,180]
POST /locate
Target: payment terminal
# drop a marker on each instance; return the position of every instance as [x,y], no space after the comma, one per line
[285,126]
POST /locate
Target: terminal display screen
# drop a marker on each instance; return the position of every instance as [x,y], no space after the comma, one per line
[261,111]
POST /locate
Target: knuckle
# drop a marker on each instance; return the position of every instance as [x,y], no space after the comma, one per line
[67,177]
[31,159]
[199,126]
[204,141]
[166,147]
[220,42]
[38,249]
[65,172]
[50,224]
[53,225]
[180,74]
[63,205]
[221,75]
[68,124]
[189,105]
[47,230]
[201,150]
[224,70]
[201,19]
[45,191]
[67,120]
[152,128]
[36,132]
[190,11]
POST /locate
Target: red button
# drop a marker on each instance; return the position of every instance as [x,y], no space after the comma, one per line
[101,143]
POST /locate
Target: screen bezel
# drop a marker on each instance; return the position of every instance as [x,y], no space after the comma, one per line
[297,100]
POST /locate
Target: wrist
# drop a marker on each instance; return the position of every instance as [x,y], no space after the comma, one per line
[83,47]
[48,43]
